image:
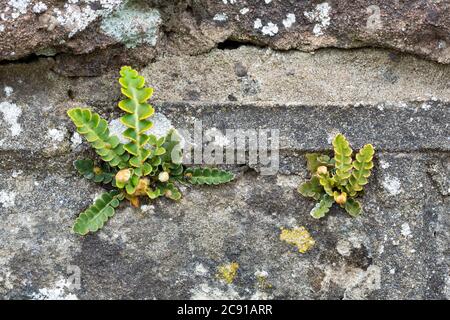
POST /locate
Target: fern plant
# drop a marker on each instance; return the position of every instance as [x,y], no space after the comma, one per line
[340,179]
[146,166]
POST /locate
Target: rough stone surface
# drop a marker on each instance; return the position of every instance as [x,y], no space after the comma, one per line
[398,248]
[152,28]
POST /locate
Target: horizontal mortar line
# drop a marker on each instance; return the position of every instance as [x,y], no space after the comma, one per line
[394,105]
[36,154]
[16,160]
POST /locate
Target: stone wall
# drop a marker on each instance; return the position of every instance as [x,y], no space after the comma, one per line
[376,71]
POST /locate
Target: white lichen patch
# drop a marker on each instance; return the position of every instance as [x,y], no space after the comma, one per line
[58,292]
[344,247]
[392,185]
[406,230]
[11,113]
[289,21]
[384,164]
[7,198]
[8,91]
[39,7]
[288,182]
[244,10]
[357,283]
[320,15]
[270,29]
[332,134]
[17,8]
[76,16]
[200,270]
[257,24]
[2,28]
[56,135]
[133,27]
[75,140]
[148,208]
[16,173]
[220,17]
[426,106]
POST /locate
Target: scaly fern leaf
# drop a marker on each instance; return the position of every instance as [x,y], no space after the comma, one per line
[102,174]
[95,130]
[315,160]
[353,207]
[173,149]
[96,215]
[362,166]
[327,183]
[322,207]
[207,176]
[311,188]
[343,158]
[138,110]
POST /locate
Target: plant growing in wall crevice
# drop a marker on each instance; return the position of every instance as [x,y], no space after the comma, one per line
[145,166]
[340,179]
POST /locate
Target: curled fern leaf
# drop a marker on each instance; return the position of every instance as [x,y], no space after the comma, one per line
[343,158]
[169,190]
[102,174]
[138,110]
[207,176]
[353,207]
[96,215]
[322,207]
[311,188]
[362,166]
[95,130]
[315,160]
[327,183]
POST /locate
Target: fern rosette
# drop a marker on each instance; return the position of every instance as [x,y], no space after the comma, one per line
[339,179]
[146,166]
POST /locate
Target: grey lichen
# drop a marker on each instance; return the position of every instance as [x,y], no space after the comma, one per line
[133,26]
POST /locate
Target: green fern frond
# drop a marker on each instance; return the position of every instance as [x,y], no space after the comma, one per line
[362,166]
[315,160]
[339,180]
[138,110]
[343,158]
[322,207]
[101,174]
[353,207]
[327,183]
[311,188]
[96,215]
[207,176]
[174,153]
[95,130]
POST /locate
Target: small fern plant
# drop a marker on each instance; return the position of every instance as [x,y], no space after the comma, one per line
[146,166]
[338,180]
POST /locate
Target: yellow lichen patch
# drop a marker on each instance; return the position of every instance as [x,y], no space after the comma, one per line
[299,237]
[261,278]
[227,272]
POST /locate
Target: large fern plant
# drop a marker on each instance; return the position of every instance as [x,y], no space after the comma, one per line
[145,166]
[338,180]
